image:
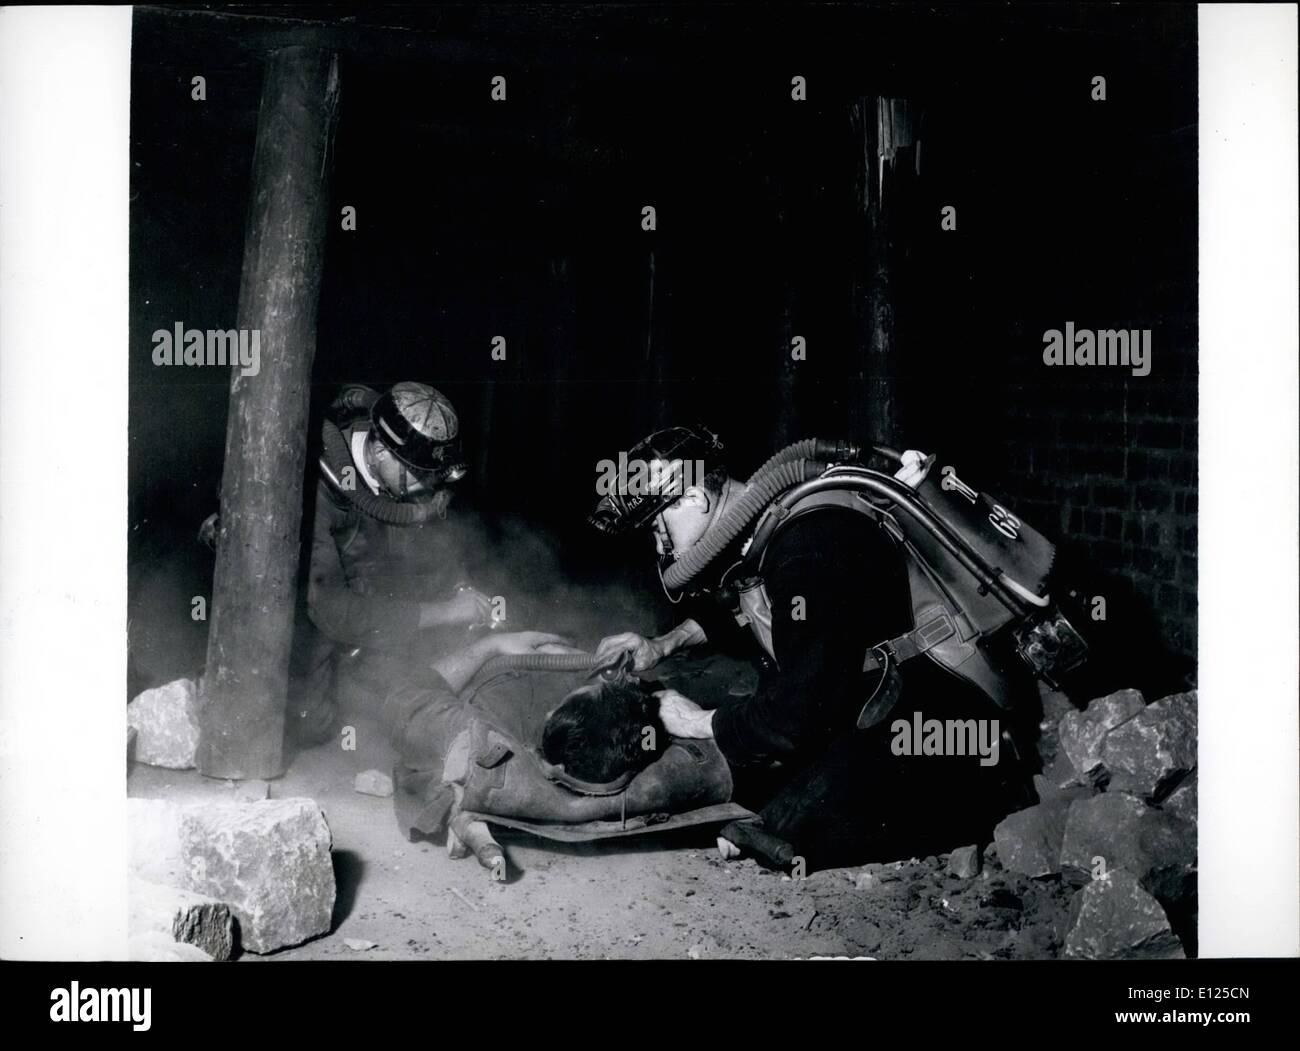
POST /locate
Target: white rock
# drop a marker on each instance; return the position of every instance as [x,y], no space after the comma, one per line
[269,861]
[166,725]
[374,783]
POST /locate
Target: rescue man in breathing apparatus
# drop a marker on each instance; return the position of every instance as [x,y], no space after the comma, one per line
[846,576]
[386,592]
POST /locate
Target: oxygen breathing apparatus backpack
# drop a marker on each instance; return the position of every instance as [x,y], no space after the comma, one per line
[978,574]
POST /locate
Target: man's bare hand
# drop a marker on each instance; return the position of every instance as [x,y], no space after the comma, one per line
[646,653]
[682,717]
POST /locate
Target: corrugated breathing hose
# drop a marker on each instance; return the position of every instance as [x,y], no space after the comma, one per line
[337,456]
[570,662]
[795,463]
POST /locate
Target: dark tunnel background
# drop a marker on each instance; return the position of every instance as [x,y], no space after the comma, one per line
[522,219]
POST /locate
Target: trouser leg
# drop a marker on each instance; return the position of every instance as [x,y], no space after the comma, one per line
[858,801]
[422,723]
[312,712]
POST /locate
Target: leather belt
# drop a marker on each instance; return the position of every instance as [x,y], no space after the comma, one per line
[937,627]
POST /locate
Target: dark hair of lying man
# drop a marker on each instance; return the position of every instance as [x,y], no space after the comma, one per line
[603,732]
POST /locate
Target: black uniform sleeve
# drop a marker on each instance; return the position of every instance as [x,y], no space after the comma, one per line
[836,585]
[718,620]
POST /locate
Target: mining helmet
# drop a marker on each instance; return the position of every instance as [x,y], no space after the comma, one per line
[418,425]
[630,507]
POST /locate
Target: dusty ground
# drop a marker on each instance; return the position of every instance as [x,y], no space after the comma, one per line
[662,897]
[666,896]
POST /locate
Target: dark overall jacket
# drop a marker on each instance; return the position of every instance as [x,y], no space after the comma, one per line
[837,794]
[366,585]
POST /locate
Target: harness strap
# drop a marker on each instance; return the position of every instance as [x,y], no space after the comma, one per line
[558,774]
[937,626]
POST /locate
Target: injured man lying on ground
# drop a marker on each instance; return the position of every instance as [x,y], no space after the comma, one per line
[501,732]
[507,733]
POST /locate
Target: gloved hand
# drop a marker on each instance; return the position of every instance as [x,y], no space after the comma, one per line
[646,653]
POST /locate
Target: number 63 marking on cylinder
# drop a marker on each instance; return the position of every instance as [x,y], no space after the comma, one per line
[1005,522]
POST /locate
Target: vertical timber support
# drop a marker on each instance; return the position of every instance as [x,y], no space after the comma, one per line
[241,718]
[884,133]
[780,396]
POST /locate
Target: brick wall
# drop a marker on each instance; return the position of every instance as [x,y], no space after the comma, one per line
[1102,235]
[1112,469]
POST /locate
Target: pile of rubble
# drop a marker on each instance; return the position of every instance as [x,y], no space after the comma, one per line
[1102,867]
[1116,821]
[211,878]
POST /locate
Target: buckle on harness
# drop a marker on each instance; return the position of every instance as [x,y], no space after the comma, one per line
[936,628]
[886,694]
